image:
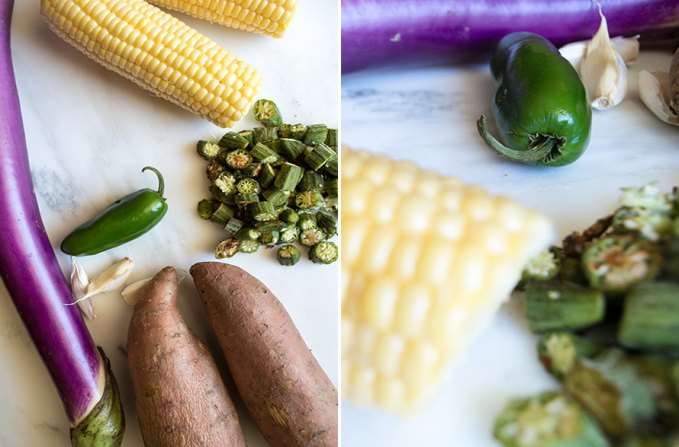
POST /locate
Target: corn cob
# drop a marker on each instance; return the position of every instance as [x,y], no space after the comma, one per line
[270,17]
[426,262]
[159,53]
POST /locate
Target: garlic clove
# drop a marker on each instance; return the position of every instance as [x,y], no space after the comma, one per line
[132,292]
[602,70]
[111,278]
[626,47]
[654,93]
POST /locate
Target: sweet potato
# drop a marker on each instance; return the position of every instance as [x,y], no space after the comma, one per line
[180,396]
[289,396]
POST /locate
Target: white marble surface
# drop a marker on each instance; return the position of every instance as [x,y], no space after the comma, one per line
[428,115]
[89,134]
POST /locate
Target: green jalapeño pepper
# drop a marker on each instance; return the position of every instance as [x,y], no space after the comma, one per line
[123,220]
[541,107]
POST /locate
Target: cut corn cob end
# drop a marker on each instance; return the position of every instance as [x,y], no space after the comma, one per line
[426,263]
[159,53]
[270,17]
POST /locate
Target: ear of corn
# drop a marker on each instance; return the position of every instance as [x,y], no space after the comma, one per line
[426,262]
[270,17]
[159,53]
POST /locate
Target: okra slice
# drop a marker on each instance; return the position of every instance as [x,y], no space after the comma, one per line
[262,211]
[206,208]
[248,135]
[307,221]
[308,200]
[238,159]
[614,392]
[558,352]
[294,131]
[233,140]
[267,113]
[266,176]
[264,154]
[549,419]
[264,134]
[311,237]
[645,222]
[543,266]
[250,171]
[324,252]
[332,187]
[270,237]
[213,169]
[276,196]
[208,150]
[288,255]
[319,156]
[219,196]
[248,233]
[289,175]
[650,441]
[311,180]
[233,226]
[332,166]
[327,222]
[249,246]
[650,318]
[289,216]
[248,186]
[616,263]
[222,213]
[331,138]
[290,234]
[292,148]
[226,182]
[227,248]
[245,199]
[315,134]
[553,306]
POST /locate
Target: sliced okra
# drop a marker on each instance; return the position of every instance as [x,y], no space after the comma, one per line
[324,252]
[233,226]
[311,180]
[226,182]
[222,213]
[288,254]
[267,113]
[294,131]
[332,187]
[248,135]
[206,208]
[262,211]
[264,154]
[331,167]
[276,196]
[315,134]
[208,150]
[549,419]
[308,200]
[318,156]
[291,148]
[290,234]
[558,352]
[331,138]
[552,306]
[248,186]
[616,263]
[270,237]
[245,199]
[220,196]
[650,318]
[238,159]
[327,222]
[289,216]
[311,237]
[612,389]
[248,233]
[264,134]
[227,248]
[307,221]
[233,140]
[289,175]
[213,169]
[543,266]
[249,246]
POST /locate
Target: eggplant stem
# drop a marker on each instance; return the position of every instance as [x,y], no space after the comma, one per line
[540,149]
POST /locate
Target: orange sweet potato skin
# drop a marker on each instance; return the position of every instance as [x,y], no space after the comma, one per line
[180,397]
[291,399]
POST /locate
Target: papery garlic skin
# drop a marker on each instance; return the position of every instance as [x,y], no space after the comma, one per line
[653,89]
[626,47]
[79,282]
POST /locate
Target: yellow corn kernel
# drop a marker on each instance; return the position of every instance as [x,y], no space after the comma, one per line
[429,264]
[159,53]
[270,17]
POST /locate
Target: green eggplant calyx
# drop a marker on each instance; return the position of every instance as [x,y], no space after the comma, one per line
[161,182]
[540,151]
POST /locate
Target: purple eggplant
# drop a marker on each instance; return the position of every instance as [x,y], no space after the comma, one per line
[35,282]
[377,33]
